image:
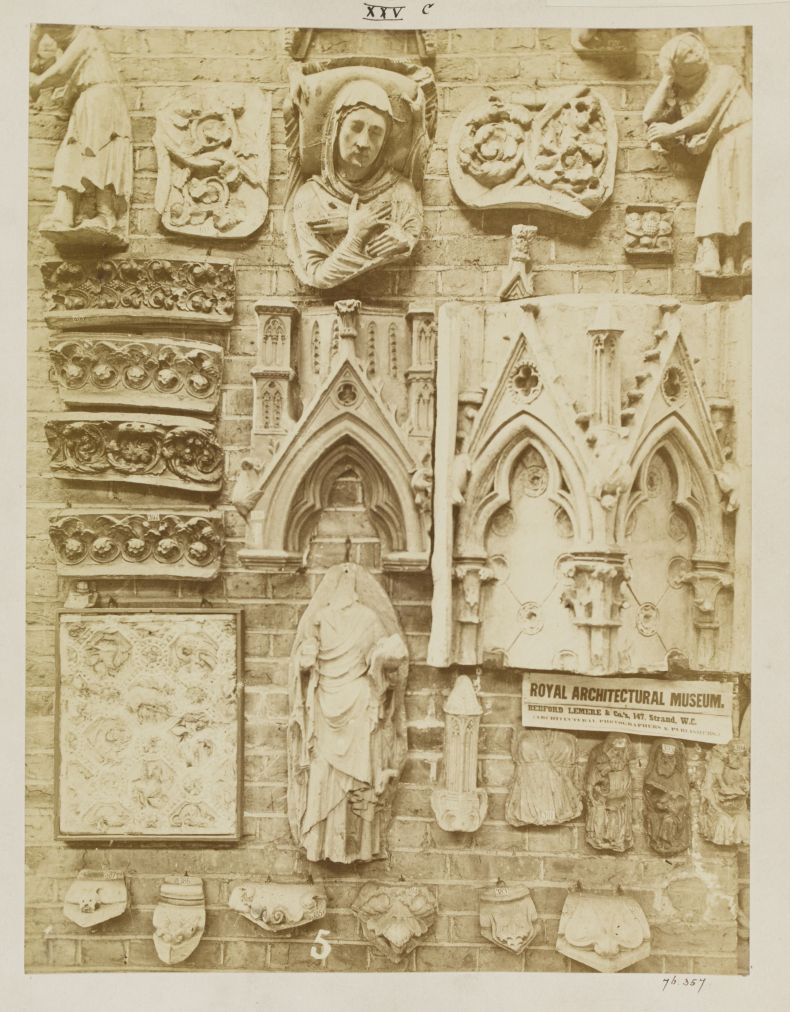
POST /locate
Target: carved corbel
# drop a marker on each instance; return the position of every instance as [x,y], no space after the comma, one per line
[460,806]
[394,916]
[605,932]
[179,918]
[707,579]
[96,897]
[277,906]
[469,577]
[508,916]
[593,594]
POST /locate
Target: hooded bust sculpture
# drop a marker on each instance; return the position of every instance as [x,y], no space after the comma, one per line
[359,212]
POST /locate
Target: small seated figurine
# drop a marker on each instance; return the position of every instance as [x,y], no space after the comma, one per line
[359,213]
[93,166]
[707,109]
[667,805]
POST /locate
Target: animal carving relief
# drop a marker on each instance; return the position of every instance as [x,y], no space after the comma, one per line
[358,136]
[148,726]
[607,789]
[667,804]
[278,906]
[607,933]
[95,897]
[212,148]
[95,543]
[347,724]
[172,451]
[460,806]
[93,171]
[724,795]
[550,151]
[579,520]
[179,919]
[545,789]
[705,108]
[508,916]
[395,917]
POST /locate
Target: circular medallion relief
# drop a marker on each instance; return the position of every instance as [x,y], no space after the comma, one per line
[530,618]
[647,619]
[524,382]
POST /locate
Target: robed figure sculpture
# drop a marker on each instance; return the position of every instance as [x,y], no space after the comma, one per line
[347,726]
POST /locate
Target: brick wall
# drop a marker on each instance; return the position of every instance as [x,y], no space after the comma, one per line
[461,256]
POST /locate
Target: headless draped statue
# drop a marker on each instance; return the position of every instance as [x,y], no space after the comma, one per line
[93,166]
[706,108]
[347,727]
[358,212]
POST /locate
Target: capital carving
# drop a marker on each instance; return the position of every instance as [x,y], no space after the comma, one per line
[92,293]
[552,151]
[94,172]
[394,917]
[460,806]
[707,579]
[212,149]
[593,594]
[277,906]
[95,897]
[137,372]
[171,451]
[98,543]
[358,137]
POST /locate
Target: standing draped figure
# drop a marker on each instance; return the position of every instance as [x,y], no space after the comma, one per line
[706,108]
[347,727]
[93,166]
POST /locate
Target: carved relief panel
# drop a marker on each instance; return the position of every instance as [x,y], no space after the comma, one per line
[347,724]
[667,798]
[278,906]
[212,147]
[128,371]
[358,135]
[607,789]
[395,916]
[580,518]
[149,709]
[171,451]
[553,151]
[335,389]
[94,542]
[138,291]
[605,932]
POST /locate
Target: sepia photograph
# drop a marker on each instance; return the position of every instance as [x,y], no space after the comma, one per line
[389,539]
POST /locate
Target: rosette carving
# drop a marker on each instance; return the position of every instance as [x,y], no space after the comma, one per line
[92,292]
[96,543]
[170,451]
[137,371]
[553,151]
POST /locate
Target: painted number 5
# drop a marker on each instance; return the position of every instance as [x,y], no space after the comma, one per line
[322,947]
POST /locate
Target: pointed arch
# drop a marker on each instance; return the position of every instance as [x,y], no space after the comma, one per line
[488,488]
[689,459]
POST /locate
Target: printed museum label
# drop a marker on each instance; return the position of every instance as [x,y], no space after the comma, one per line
[697,711]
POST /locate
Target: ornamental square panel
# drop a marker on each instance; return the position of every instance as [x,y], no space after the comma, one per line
[148,742]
